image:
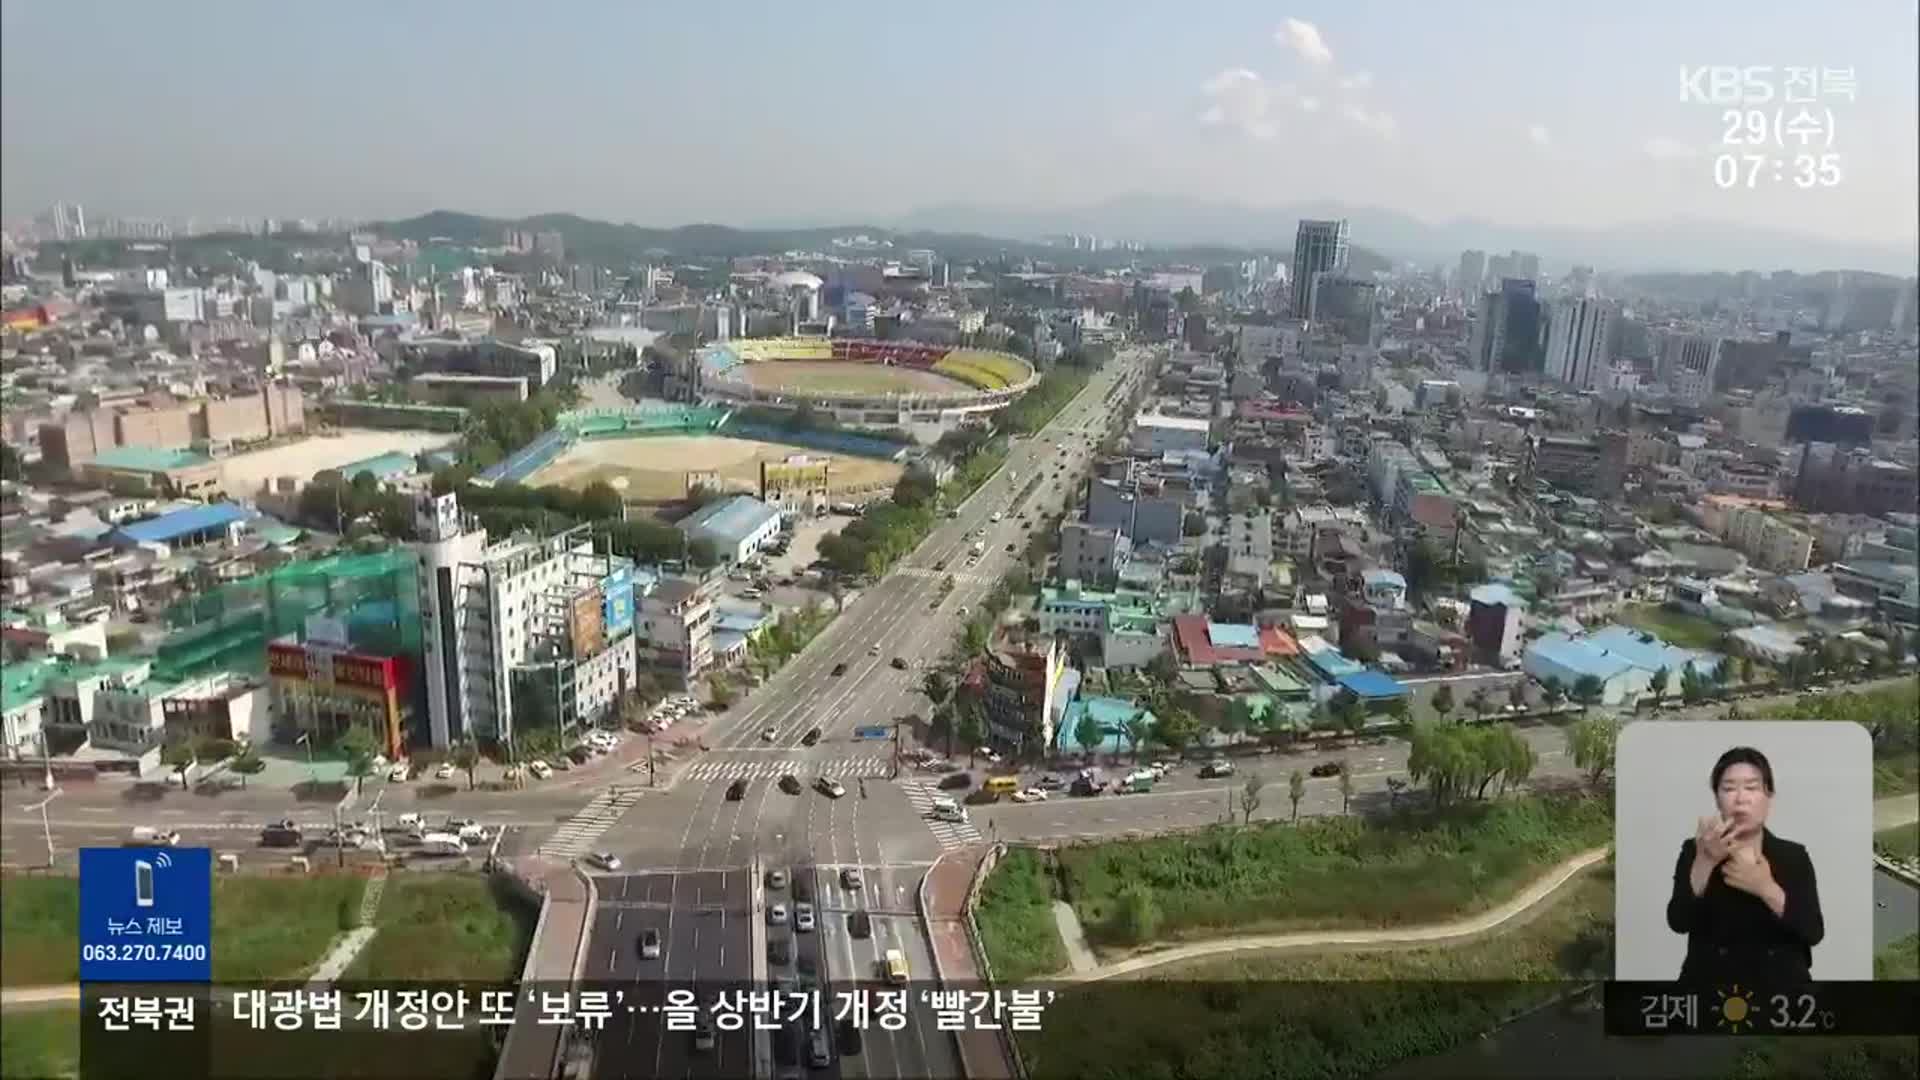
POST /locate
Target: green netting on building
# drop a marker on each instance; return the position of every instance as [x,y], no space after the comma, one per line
[375,596]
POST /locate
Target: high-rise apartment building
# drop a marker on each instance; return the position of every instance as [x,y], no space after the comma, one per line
[1472,276]
[1506,332]
[1577,342]
[1318,247]
[1346,306]
[1688,363]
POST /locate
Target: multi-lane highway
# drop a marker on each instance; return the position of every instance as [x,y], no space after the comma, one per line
[696,854]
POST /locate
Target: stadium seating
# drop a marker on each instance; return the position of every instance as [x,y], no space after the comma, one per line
[984,369]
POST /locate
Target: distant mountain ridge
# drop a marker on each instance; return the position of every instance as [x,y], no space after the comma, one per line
[589,239]
[1680,245]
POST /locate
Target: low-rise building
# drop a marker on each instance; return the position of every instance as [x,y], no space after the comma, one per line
[737,526]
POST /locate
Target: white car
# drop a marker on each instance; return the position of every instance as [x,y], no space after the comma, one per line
[768,734]
[1030,795]
[777,915]
[444,772]
[410,823]
[803,918]
[540,770]
[398,773]
[604,860]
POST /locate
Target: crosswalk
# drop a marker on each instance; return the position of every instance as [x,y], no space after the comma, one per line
[725,769]
[576,836]
[951,834]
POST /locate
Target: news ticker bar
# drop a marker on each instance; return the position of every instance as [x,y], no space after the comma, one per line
[426,1030]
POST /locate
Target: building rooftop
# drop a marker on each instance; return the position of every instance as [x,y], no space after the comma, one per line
[149,459]
[172,526]
[382,466]
[24,681]
[1496,595]
[731,520]
[1372,685]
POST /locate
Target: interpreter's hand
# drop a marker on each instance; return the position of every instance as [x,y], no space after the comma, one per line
[1749,872]
[1713,840]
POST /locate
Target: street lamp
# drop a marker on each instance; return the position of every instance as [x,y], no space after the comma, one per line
[46,826]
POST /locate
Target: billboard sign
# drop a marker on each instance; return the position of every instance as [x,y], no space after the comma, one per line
[617,611]
[589,631]
[146,914]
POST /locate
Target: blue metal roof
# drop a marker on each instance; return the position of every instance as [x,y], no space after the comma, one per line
[733,519]
[1373,685]
[1579,656]
[1643,650]
[186,522]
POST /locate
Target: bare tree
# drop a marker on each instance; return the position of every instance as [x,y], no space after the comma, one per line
[1250,795]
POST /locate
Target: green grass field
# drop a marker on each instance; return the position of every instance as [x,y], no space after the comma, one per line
[446,927]
[1015,916]
[40,1044]
[263,928]
[1409,869]
[1326,1013]
[1899,842]
[1673,627]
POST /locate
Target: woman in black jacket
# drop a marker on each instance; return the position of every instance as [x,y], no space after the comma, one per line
[1745,898]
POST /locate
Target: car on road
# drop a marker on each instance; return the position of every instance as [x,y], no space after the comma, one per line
[790,784]
[767,734]
[850,878]
[737,790]
[956,781]
[873,650]
[1214,769]
[702,1032]
[444,772]
[983,796]
[776,879]
[839,670]
[604,860]
[812,736]
[899,663]
[860,925]
[1325,768]
[1010,549]
[848,1037]
[830,787]
[777,915]
[1030,795]
[397,774]
[1050,782]
[280,834]
[540,770]
[649,944]
[148,836]
[803,918]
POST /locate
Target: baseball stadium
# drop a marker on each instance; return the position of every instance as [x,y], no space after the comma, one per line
[659,453]
[909,386]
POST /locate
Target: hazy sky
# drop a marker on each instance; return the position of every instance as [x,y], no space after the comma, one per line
[665,113]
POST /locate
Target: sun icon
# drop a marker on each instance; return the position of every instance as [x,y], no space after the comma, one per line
[1736,1009]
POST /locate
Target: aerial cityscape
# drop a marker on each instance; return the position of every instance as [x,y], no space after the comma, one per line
[773,600]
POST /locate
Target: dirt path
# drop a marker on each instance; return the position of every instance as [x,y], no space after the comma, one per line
[1401,935]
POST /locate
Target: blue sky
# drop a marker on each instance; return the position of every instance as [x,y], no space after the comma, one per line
[843,109]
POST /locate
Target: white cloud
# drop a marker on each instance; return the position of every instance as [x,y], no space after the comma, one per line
[1538,135]
[1359,80]
[1379,123]
[1304,40]
[1666,148]
[1241,99]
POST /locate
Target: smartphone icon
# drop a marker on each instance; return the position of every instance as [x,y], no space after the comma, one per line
[142,883]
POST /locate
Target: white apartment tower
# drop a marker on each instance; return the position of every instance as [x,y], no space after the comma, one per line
[527,632]
[1318,247]
[1577,342]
